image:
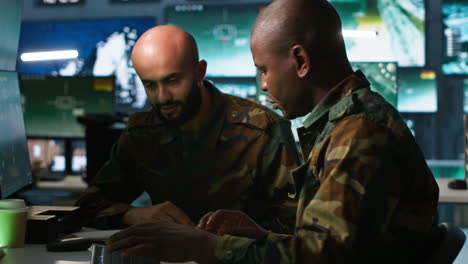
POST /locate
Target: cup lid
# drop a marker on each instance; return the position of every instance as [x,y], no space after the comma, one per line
[12,204]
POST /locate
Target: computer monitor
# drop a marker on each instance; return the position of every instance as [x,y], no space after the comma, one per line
[103,48]
[9,28]
[222,33]
[78,157]
[417,90]
[48,158]
[15,171]
[52,104]
[455,22]
[241,87]
[376,30]
[382,76]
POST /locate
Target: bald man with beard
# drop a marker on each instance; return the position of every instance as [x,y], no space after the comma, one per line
[366,194]
[195,151]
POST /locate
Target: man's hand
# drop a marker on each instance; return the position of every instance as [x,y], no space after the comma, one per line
[166,211]
[234,223]
[165,241]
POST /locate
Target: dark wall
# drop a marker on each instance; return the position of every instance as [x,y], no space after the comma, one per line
[440,135]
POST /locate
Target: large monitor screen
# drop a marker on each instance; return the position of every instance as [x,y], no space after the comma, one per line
[417,90]
[103,49]
[10,28]
[455,20]
[52,104]
[382,76]
[47,157]
[15,171]
[222,33]
[384,30]
[241,87]
[78,158]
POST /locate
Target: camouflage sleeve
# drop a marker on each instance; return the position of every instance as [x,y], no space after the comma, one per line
[278,159]
[111,192]
[355,187]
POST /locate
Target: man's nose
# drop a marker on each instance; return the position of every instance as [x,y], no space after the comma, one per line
[263,85]
[164,95]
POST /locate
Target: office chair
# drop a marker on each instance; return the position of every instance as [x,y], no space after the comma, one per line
[452,241]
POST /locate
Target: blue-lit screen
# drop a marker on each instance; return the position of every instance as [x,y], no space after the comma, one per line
[104,48]
[455,21]
[417,90]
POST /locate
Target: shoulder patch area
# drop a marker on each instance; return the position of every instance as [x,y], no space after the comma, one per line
[243,111]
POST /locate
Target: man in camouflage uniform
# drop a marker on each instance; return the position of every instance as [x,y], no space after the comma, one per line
[196,150]
[366,194]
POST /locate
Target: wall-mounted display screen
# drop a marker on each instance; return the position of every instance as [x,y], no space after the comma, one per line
[52,104]
[382,76]
[59,2]
[455,21]
[417,90]
[47,157]
[222,33]
[78,158]
[384,30]
[241,87]
[101,48]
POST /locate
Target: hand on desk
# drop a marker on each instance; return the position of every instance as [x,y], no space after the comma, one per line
[165,241]
[230,222]
[166,211]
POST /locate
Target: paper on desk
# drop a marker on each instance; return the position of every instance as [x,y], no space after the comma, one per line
[96,235]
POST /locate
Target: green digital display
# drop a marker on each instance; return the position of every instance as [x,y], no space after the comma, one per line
[222,33]
[382,76]
[417,90]
[383,30]
[52,104]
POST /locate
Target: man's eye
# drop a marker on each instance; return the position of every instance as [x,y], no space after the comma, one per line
[172,81]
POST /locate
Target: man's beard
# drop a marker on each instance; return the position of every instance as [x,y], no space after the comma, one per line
[189,108]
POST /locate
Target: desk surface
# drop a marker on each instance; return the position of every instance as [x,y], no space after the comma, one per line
[447,195]
[32,254]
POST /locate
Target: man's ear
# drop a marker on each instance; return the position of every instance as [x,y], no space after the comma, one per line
[201,71]
[302,60]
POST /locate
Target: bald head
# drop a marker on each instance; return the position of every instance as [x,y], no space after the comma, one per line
[314,24]
[162,46]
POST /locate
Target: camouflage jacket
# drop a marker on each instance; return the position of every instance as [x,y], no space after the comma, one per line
[366,194]
[240,158]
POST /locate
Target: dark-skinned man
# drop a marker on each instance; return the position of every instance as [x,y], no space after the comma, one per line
[366,194]
[196,150]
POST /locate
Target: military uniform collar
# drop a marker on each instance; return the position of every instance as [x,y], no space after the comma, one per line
[329,104]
